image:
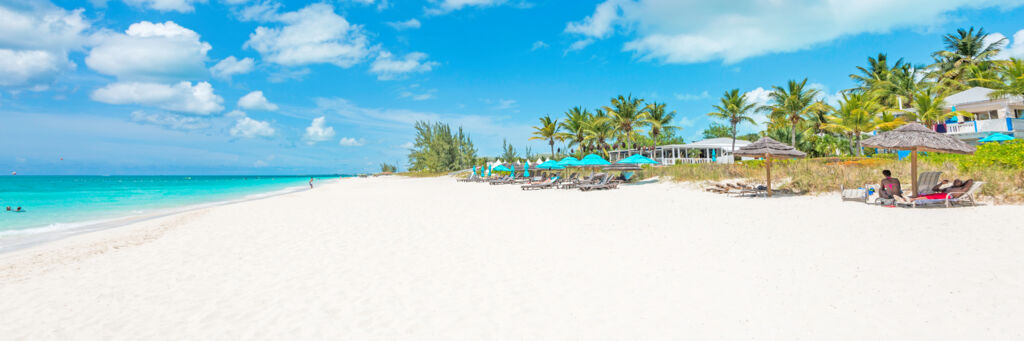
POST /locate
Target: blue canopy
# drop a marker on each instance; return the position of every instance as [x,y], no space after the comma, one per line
[997,137]
[549,164]
[593,160]
[569,162]
[638,159]
[501,168]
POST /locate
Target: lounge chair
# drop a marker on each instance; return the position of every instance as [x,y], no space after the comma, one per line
[857,194]
[963,199]
[551,183]
[741,189]
[500,181]
[471,177]
[576,182]
[605,183]
[926,181]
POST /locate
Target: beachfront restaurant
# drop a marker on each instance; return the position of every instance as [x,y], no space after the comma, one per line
[716,150]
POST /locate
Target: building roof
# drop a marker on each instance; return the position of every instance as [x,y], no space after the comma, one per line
[973,95]
[718,142]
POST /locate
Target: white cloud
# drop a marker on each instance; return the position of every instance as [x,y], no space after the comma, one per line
[181,97]
[312,35]
[35,38]
[248,128]
[692,97]
[447,6]
[318,131]
[599,24]
[170,120]
[759,96]
[31,67]
[265,10]
[150,51]
[350,142]
[256,101]
[230,66]
[288,74]
[407,145]
[387,68]
[537,45]
[1012,49]
[579,45]
[405,25]
[691,31]
[502,104]
[418,96]
[183,6]
[40,25]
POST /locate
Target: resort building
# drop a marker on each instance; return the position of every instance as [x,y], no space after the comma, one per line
[716,150]
[1003,115]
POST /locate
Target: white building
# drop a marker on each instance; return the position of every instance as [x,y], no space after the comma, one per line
[1002,115]
[705,151]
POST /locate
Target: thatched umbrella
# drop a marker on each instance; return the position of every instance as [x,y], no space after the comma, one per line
[916,137]
[769,149]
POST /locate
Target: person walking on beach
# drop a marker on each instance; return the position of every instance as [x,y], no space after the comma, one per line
[310,182]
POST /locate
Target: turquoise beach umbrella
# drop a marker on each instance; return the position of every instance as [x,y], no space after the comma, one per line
[526,169]
[638,160]
[489,171]
[474,170]
[713,158]
[549,164]
[502,168]
[513,171]
[569,161]
[997,137]
[593,160]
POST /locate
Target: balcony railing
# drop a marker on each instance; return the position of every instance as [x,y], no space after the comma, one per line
[986,126]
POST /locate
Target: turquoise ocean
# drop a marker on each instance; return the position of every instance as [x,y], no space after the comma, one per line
[56,203]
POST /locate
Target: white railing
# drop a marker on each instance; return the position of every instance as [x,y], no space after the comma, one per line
[684,160]
[960,128]
[986,126]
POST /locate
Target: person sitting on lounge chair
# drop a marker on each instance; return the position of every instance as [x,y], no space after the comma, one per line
[891,189]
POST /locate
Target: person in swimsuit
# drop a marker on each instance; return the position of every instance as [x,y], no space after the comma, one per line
[891,188]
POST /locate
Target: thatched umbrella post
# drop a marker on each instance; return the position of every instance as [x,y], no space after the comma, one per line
[768,148]
[915,137]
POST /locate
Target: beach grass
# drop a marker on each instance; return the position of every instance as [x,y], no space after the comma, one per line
[824,175]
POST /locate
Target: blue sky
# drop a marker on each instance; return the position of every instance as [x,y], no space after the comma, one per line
[272,87]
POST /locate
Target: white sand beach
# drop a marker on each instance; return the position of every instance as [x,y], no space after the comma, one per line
[413,259]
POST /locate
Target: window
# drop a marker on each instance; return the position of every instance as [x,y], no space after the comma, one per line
[994,114]
[1017,113]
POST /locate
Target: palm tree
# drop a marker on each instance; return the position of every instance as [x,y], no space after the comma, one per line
[877,71]
[599,129]
[1011,79]
[899,89]
[929,109]
[734,109]
[547,131]
[856,114]
[626,113]
[574,125]
[790,104]
[659,121]
[964,49]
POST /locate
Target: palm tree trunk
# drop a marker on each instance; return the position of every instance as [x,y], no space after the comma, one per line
[733,138]
[793,135]
[552,143]
[860,149]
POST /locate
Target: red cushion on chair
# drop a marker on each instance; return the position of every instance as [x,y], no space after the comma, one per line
[935,196]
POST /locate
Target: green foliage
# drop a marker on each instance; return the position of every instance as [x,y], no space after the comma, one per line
[388,168]
[715,130]
[509,153]
[1008,156]
[438,149]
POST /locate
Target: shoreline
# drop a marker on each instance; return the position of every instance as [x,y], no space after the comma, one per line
[15,240]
